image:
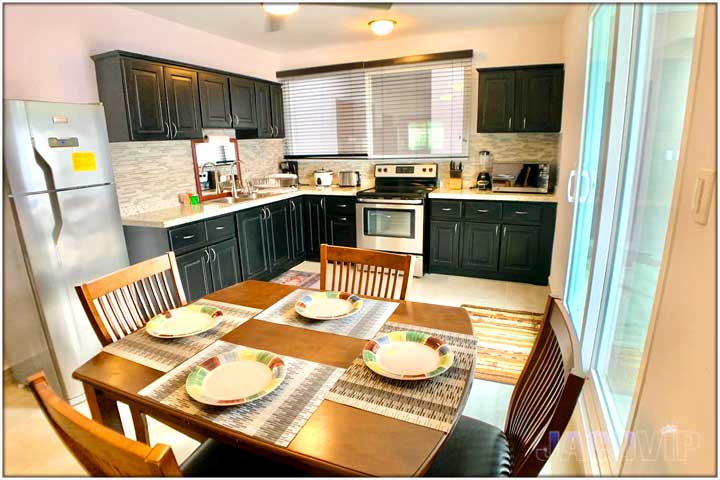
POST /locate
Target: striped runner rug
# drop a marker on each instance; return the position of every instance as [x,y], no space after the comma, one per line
[504,340]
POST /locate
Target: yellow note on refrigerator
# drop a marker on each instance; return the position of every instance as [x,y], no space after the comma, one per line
[84,161]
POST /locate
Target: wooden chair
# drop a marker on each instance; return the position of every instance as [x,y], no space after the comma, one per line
[540,408]
[123,301]
[365,272]
[105,452]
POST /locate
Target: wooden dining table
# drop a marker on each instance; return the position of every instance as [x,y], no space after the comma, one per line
[337,439]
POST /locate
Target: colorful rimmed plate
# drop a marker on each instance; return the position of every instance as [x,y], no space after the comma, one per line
[184,321]
[235,377]
[408,355]
[328,305]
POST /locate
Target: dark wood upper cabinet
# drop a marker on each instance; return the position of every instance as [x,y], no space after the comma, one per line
[520,99]
[150,98]
[264,110]
[538,99]
[183,103]
[496,101]
[146,100]
[242,102]
[215,100]
[277,110]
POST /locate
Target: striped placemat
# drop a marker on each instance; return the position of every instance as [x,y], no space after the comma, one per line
[275,418]
[165,353]
[364,324]
[432,403]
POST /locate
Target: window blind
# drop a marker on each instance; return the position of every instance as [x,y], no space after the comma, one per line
[415,110]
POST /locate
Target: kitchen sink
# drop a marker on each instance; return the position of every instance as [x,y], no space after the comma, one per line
[244,197]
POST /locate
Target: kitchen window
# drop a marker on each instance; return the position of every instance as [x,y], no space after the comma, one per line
[637,84]
[383,109]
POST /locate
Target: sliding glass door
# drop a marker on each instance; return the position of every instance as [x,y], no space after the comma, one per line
[631,147]
[590,167]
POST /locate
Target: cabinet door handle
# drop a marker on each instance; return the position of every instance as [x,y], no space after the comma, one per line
[188,237]
[237,120]
[174,135]
[446,209]
[504,230]
[220,228]
[524,122]
[483,210]
[520,212]
[497,230]
[343,219]
[322,203]
[167,125]
[342,206]
[214,255]
[229,119]
[510,123]
[292,206]
[208,256]
[456,227]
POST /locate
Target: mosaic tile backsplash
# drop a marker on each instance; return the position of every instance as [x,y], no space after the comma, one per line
[505,147]
[149,175]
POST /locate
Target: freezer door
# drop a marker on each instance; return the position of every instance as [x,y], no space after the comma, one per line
[70,237]
[55,146]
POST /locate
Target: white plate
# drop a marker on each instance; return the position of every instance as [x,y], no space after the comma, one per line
[184,321]
[328,305]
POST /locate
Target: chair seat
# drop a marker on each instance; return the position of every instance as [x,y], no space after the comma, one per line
[474,449]
[215,459]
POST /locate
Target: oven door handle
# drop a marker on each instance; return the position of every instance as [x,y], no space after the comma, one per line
[389,200]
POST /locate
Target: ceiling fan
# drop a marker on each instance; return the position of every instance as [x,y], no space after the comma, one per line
[277,13]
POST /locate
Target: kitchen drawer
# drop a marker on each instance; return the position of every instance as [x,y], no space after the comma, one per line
[340,205]
[518,212]
[188,236]
[220,228]
[446,209]
[483,211]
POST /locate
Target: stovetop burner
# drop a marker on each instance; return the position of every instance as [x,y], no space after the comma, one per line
[402,182]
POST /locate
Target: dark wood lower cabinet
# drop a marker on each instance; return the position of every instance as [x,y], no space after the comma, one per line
[315,233]
[277,223]
[520,247]
[297,227]
[444,246]
[513,247]
[225,264]
[480,246]
[341,230]
[195,274]
[252,237]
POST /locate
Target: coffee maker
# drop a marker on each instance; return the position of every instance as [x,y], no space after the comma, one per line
[289,166]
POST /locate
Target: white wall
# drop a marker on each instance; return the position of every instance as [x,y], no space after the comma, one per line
[574,46]
[47,48]
[678,392]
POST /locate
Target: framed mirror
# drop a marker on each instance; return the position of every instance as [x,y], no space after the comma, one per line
[214,161]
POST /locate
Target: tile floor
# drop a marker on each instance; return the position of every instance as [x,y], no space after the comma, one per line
[26,430]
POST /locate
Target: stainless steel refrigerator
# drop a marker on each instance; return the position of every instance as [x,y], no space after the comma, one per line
[64,208]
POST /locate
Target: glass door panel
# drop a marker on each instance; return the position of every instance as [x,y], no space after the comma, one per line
[590,168]
[659,85]
[380,222]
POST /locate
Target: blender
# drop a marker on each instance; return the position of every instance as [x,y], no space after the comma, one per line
[484,181]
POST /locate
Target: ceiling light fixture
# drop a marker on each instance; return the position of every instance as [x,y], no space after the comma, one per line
[382,27]
[281,8]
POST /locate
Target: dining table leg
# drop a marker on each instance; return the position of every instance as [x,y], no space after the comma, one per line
[103,409]
[140,424]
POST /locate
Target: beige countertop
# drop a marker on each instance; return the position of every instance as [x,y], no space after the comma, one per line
[474,194]
[174,216]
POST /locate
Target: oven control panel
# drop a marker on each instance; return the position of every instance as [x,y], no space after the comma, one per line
[416,170]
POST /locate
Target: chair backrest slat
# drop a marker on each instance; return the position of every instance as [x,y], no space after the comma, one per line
[100,450]
[122,302]
[366,272]
[545,395]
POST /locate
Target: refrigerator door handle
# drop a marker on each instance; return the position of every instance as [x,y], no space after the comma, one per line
[52,194]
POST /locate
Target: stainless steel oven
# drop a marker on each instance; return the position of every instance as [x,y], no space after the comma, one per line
[390,225]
